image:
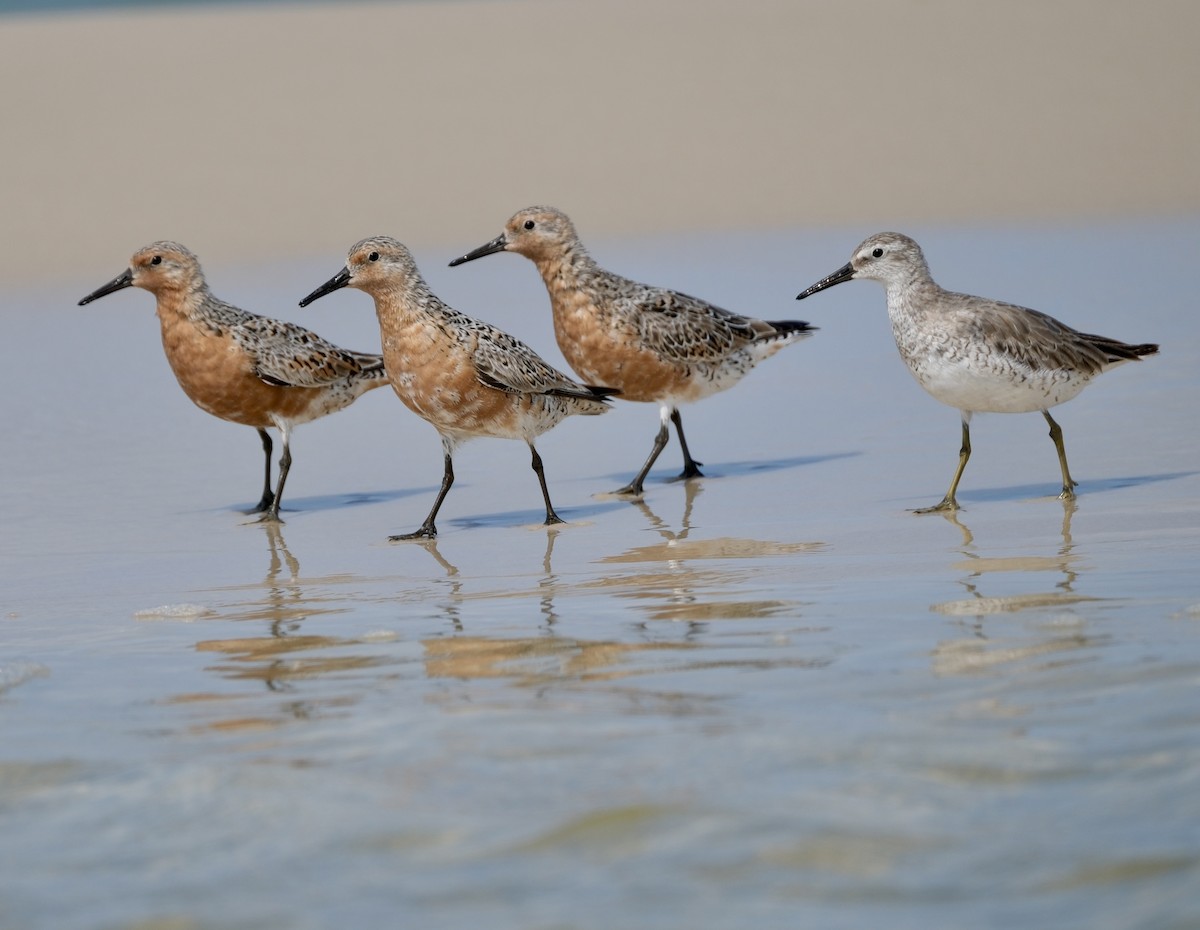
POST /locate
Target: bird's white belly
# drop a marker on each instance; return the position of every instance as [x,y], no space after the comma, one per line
[993,385]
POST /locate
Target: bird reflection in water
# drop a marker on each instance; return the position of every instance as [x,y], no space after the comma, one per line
[286,658]
[450,603]
[542,662]
[280,595]
[1053,633]
[536,662]
[679,591]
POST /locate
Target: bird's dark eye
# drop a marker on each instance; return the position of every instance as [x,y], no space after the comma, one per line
[373,257]
[529,224]
[157,260]
[878,253]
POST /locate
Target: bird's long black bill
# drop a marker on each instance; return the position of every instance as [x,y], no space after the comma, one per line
[336,283]
[123,280]
[499,244]
[843,274]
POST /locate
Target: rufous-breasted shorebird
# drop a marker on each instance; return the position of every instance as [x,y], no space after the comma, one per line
[465,377]
[655,345]
[242,367]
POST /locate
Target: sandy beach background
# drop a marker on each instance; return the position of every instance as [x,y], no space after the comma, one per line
[254,131]
[772,697]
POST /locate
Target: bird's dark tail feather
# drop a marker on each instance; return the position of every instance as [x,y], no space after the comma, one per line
[585,392]
[783,327]
[1119,351]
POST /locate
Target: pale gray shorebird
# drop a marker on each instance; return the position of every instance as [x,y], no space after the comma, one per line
[464,377]
[242,367]
[980,355]
[655,345]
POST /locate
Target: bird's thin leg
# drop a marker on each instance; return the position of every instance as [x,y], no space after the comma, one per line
[1069,483]
[949,502]
[691,468]
[428,529]
[267,496]
[285,463]
[660,442]
[551,516]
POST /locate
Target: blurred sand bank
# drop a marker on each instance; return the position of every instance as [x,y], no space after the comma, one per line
[256,132]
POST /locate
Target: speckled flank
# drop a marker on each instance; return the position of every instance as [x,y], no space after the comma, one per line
[463,376]
[241,367]
[979,355]
[656,345]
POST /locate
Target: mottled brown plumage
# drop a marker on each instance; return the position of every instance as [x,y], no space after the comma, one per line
[463,376]
[656,345]
[242,367]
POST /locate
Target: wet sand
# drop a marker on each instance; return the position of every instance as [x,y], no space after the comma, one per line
[773,695]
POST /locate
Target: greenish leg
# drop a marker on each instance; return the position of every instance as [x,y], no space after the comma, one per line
[1069,483]
[949,502]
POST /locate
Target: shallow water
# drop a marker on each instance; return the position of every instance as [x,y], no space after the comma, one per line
[770,696]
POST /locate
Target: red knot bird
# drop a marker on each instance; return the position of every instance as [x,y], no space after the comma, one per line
[979,355]
[655,345]
[243,367]
[466,378]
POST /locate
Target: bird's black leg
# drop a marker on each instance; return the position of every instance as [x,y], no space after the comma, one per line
[551,516]
[428,529]
[267,496]
[691,468]
[634,488]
